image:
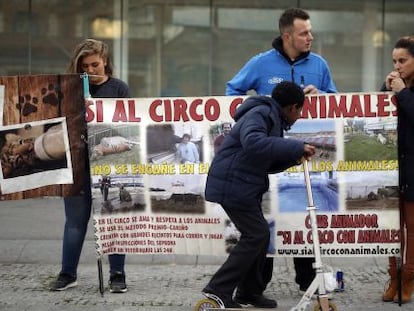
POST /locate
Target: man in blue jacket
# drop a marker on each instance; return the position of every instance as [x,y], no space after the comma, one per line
[290,59]
[237,179]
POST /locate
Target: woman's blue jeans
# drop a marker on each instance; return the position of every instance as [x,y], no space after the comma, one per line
[78,212]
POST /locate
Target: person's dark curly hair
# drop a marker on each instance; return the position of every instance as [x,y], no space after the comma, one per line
[288,93]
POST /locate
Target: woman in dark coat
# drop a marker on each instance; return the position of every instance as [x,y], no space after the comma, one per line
[401,81]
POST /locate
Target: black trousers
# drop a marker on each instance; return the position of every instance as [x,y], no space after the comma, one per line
[244,267]
[305,273]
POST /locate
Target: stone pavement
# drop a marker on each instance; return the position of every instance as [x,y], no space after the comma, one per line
[174,287]
[30,247]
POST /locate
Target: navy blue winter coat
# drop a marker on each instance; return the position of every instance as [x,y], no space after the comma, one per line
[255,147]
[406,142]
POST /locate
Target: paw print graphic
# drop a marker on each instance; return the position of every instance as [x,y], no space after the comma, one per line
[27,104]
[51,95]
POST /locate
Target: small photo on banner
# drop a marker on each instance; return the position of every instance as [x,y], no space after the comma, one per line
[292,194]
[114,151]
[35,154]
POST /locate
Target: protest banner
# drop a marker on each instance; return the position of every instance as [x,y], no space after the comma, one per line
[149,197]
[148,181]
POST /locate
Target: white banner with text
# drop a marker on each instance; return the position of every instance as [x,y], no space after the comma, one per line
[149,159]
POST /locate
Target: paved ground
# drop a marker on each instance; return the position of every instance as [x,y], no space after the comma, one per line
[30,233]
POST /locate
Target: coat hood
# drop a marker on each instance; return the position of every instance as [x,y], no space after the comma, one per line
[255,102]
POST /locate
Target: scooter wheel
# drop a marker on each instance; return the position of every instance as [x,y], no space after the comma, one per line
[205,304]
[332,307]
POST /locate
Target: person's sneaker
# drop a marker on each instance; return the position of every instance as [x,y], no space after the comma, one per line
[227,301]
[258,301]
[117,283]
[63,282]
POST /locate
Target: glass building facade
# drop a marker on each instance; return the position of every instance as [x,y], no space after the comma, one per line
[192,47]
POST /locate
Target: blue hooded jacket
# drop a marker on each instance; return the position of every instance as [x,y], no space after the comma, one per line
[255,147]
[265,70]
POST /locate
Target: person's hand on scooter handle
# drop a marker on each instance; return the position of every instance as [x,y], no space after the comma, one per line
[308,151]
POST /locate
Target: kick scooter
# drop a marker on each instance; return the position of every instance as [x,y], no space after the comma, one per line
[318,284]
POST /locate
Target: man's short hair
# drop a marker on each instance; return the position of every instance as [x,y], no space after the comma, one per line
[288,17]
[287,93]
[224,123]
[187,135]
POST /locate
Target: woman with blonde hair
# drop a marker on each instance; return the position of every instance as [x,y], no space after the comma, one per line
[91,57]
